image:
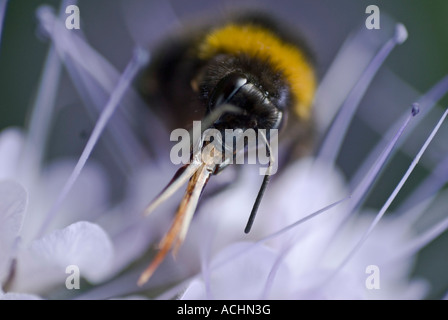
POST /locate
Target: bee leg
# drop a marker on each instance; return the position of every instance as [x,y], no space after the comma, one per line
[181,177]
[179,227]
[164,246]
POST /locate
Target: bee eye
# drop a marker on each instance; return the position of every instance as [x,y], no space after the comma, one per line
[226,88]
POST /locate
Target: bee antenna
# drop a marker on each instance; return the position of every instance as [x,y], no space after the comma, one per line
[253,213]
[264,184]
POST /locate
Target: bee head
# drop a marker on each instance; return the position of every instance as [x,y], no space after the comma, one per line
[255,108]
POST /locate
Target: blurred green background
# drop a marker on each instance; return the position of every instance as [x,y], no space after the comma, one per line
[422,60]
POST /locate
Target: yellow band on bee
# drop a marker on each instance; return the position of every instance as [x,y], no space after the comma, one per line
[256,41]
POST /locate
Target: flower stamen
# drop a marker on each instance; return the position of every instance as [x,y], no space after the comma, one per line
[137,61]
[333,141]
[392,196]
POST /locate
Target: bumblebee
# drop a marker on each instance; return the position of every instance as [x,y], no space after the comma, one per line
[246,72]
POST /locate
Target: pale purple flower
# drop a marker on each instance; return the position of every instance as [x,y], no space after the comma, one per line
[315,237]
[52,214]
[70,240]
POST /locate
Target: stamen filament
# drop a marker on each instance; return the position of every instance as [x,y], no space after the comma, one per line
[391,197]
[138,60]
[333,141]
[3,5]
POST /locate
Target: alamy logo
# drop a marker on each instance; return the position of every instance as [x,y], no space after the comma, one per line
[232,146]
[72,21]
[373,280]
[373,20]
[73,280]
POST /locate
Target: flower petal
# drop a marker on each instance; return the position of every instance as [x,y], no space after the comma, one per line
[243,276]
[86,200]
[83,244]
[12,208]
[195,290]
[11,141]
[19,296]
